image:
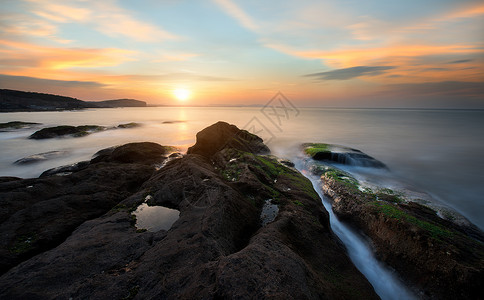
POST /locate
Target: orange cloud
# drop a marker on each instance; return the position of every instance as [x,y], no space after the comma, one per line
[357,56]
[43,60]
[62,13]
[466,12]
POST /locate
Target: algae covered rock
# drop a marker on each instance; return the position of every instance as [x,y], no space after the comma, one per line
[442,258]
[340,154]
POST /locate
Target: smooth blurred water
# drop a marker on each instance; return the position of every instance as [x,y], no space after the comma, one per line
[384,280]
[439,151]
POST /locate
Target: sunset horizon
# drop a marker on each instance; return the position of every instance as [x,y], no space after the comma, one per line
[224,52]
[241,149]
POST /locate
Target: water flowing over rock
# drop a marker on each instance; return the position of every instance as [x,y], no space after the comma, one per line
[15,125]
[39,157]
[340,154]
[65,130]
[76,238]
[442,258]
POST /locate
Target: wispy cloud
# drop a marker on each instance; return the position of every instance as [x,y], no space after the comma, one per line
[175,57]
[349,73]
[22,25]
[467,11]
[460,61]
[170,77]
[104,16]
[237,13]
[352,55]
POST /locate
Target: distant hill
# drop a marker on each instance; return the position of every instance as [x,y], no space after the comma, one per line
[119,103]
[12,101]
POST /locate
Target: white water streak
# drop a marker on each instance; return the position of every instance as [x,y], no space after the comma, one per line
[386,284]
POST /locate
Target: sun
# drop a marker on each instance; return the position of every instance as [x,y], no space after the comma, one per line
[181,94]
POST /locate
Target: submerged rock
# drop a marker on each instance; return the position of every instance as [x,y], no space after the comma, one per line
[66,170]
[441,258]
[60,131]
[17,125]
[216,249]
[340,154]
[129,125]
[39,157]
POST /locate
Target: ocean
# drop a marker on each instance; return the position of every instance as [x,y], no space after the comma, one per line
[438,152]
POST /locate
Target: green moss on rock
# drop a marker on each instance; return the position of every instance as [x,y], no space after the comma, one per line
[312,149]
[436,231]
[23,243]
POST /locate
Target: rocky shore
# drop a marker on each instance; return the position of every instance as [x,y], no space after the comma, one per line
[440,254]
[250,226]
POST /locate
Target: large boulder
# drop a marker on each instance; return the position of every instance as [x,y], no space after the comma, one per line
[222,135]
[144,153]
[221,246]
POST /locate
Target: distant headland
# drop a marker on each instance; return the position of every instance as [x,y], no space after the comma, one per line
[18,101]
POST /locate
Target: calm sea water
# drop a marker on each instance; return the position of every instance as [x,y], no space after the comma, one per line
[437,151]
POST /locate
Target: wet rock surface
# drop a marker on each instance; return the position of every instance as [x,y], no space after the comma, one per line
[39,157]
[141,153]
[65,130]
[76,238]
[340,154]
[440,258]
[14,125]
[223,135]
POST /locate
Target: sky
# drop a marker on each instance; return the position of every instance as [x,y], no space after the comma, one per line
[348,53]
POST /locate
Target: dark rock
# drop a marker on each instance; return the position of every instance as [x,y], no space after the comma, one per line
[340,154]
[39,157]
[175,155]
[222,135]
[442,259]
[65,170]
[144,153]
[38,214]
[17,125]
[8,178]
[59,131]
[216,249]
[129,125]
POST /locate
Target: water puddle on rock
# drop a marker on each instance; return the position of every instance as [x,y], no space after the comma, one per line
[269,212]
[155,218]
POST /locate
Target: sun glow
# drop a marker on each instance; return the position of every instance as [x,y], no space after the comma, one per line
[181,94]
